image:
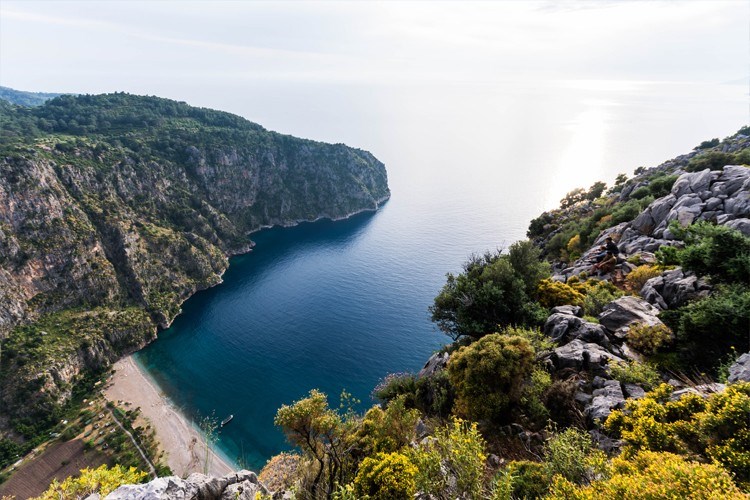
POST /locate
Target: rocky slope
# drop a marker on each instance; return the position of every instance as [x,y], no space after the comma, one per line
[121,207]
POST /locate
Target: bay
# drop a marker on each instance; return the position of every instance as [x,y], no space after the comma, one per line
[339,305]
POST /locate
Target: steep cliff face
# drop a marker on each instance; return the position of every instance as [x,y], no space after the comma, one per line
[121,203]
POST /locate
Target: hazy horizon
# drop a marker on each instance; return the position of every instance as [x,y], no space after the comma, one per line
[609,86]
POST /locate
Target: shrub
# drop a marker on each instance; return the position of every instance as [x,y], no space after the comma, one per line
[528,479]
[553,293]
[489,375]
[431,395]
[633,372]
[662,185]
[574,247]
[714,160]
[654,476]
[386,476]
[720,252]
[640,275]
[388,430]
[538,340]
[532,397]
[706,330]
[572,455]
[649,339]
[597,294]
[494,289]
[640,193]
[101,480]
[458,449]
[716,428]
[559,399]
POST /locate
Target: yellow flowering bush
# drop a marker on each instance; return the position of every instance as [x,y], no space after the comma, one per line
[654,476]
[551,293]
[640,275]
[717,428]
[386,476]
[102,480]
[649,339]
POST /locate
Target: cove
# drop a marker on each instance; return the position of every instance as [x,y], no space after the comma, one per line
[319,305]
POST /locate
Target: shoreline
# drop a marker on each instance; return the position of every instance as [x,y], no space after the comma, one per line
[178,437]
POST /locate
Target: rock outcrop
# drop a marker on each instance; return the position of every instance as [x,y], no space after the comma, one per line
[242,485]
[740,369]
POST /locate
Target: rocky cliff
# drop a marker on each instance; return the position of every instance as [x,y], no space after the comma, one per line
[116,208]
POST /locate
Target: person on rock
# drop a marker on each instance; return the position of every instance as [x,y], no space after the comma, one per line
[607,264]
[609,246]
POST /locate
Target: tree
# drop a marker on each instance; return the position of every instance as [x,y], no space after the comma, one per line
[494,289]
[320,433]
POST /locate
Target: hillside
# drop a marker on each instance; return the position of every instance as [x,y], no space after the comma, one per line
[116,208]
[22,98]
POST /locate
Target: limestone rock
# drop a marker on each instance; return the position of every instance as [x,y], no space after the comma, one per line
[627,310]
[606,399]
[243,484]
[580,355]
[436,363]
[740,370]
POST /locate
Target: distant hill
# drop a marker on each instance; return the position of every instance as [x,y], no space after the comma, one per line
[25,98]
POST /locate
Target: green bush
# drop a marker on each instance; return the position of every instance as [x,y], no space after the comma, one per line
[494,289]
[706,330]
[597,294]
[489,375]
[431,395]
[529,480]
[662,185]
[386,476]
[720,252]
[633,372]
[572,455]
[714,160]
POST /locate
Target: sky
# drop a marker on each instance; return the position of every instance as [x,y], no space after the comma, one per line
[181,48]
[400,78]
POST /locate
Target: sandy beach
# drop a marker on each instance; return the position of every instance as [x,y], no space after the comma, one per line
[183,445]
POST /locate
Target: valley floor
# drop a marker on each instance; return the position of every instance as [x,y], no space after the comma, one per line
[181,441]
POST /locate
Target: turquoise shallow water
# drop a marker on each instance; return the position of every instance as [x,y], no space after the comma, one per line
[339,305]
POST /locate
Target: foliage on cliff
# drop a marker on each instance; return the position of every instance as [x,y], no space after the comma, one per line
[115,208]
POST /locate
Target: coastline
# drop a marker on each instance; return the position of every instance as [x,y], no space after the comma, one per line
[178,437]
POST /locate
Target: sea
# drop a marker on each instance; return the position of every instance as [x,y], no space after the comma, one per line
[337,306]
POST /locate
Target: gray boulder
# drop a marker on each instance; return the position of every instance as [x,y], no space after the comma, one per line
[619,314]
[692,183]
[563,327]
[703,390]
[673,289]
[606,399]
[741,225]
[731,180]
[580,355]
[243,485]
[436,363]
[571,310]
[740,370]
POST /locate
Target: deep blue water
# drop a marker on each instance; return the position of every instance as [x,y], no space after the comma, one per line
[339,305]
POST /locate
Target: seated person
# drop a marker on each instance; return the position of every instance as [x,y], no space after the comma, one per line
[607,264]
[609,246]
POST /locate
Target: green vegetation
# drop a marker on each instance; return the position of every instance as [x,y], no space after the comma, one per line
[494,289]
[634,372]
[386,476]
[102,480]
[716,428]
[489,375]
[715,160]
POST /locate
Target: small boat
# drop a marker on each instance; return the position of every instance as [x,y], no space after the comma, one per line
[227,420]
